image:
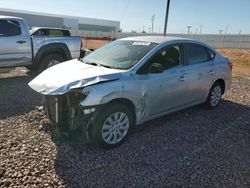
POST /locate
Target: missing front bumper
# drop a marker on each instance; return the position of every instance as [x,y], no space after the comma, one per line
[68,118]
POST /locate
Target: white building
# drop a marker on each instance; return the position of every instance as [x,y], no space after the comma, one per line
[77,25]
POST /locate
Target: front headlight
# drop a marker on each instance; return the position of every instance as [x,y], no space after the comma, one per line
[76,96]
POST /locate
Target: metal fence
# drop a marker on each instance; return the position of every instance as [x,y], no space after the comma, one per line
[217,41]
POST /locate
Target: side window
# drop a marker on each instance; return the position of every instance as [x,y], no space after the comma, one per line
[40,32]
[66,33]
[9,28]
[53,32]
[195,54]
[168,57]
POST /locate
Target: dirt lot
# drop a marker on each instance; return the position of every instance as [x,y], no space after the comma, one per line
[240,59]
[191,148]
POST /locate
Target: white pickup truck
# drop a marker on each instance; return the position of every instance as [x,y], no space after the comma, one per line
[19,48]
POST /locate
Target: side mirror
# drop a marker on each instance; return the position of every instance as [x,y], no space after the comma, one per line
[155,68]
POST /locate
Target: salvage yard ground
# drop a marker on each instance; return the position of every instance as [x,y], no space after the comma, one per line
[240,59]
[191,148]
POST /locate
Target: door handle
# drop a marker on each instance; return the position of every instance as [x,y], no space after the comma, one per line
[20,41]
[211,72]
[182,78]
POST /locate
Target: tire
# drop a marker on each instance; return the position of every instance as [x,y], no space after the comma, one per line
[49,61]
[31,67]
[107,131]
[214,96]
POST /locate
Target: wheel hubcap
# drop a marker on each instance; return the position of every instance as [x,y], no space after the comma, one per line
[215,96]
[115,128]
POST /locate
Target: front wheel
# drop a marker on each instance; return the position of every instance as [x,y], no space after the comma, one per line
[112,125]
[214,96]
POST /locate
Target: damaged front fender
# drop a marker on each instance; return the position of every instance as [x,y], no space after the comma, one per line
[72,74]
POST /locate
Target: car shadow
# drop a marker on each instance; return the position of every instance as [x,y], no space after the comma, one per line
[153,150]
[16,97]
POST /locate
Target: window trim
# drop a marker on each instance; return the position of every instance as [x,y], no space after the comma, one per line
[209,54]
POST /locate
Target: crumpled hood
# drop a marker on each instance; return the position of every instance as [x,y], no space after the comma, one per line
[63,77]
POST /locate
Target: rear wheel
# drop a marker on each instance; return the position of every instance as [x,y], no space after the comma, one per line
[112,125]
[49,61]
[214,96]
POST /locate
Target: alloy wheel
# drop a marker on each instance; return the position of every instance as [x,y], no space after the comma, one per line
[215,96]
[115,128]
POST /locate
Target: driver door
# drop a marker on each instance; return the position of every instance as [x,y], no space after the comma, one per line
[165,90]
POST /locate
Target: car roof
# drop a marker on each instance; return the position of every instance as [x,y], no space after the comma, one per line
[9,17]
[157,39]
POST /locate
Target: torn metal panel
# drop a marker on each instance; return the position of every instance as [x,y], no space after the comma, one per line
[72,74]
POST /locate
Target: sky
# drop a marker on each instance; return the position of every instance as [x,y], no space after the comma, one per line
[205,16]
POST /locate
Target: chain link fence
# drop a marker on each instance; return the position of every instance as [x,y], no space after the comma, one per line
[217,41]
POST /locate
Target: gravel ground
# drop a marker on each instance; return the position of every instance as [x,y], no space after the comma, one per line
[190,148]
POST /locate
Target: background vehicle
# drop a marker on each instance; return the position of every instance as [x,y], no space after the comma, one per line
[18,48]
[131,81]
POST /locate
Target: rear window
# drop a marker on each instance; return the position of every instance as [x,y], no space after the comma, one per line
[9,28]
[51,32]
[195,54]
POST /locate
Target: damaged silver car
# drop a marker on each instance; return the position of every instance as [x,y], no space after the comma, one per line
[130,81]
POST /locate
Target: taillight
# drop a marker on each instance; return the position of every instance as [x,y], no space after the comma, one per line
[230,64]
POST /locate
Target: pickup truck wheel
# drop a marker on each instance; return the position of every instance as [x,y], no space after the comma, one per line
[31,67]
[50,61]
[112,125]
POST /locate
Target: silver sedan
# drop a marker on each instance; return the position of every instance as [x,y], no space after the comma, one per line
[131,81]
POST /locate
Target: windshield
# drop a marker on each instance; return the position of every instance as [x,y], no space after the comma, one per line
[121,54]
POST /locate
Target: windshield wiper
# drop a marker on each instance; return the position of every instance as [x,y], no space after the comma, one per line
[107,66]
[96,64]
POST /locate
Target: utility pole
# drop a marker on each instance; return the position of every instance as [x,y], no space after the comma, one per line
[220,31]
[226,30]
[189,27]
[166,18]
[201,29]
[153,20]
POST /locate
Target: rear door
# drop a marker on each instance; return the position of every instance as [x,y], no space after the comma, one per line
[199,71]
[15,48]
